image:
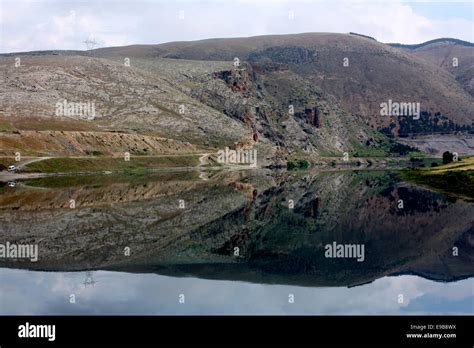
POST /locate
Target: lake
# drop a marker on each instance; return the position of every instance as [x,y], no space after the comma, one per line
[236,242]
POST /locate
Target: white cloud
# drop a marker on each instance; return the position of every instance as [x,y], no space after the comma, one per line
[36,25]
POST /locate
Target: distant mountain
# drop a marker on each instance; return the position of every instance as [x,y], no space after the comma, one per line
[314,94]
[431,42]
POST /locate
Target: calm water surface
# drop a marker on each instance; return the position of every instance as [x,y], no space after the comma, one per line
[236,243]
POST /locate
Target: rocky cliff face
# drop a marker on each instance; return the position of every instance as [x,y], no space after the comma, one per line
[271,103]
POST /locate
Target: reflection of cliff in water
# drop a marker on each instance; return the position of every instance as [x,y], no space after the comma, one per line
[241,227]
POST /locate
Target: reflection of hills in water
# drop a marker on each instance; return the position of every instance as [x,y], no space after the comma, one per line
[276,244]
[90,191]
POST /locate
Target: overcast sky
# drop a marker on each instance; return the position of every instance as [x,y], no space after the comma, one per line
[27,25]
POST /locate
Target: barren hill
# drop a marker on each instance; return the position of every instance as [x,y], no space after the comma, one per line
[376,72]
[314,94]
[453,55]
[124,98]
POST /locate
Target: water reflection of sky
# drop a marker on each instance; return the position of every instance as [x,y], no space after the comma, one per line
[27,292]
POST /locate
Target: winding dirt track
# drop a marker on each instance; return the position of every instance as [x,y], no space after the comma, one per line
[33,160]
[11,176]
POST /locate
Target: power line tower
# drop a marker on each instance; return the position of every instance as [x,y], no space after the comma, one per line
[90,43]
[89,281]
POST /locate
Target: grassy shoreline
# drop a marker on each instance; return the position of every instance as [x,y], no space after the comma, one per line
[455,179]
[71,164]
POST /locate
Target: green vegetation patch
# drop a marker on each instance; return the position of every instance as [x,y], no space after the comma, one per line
[300,164]
[459,183]
[5,126]
[382,147]
[70,164]
[95,153]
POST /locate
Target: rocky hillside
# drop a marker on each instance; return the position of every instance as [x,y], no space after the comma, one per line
[455,56]
[125,99]
[375,72]
[290,96]
[71,143]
